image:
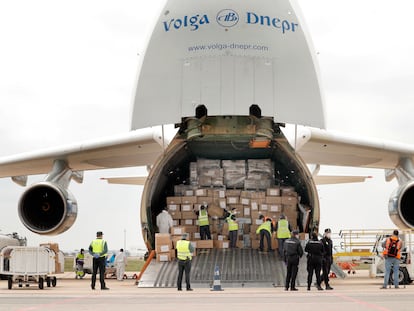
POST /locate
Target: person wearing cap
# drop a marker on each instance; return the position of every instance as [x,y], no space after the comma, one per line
[164,221]
[184,251]
[327,258]
[392,256]
[315,250]
[203,223]
[283,230]
[293,251]
[98,249]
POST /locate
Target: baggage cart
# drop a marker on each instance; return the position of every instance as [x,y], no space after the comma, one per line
[24,265]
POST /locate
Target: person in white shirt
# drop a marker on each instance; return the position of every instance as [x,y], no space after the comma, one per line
[120,263]
[164,221]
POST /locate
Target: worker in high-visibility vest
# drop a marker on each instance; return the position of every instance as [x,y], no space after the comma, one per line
[283,230]
[203,223]
[184,251]
[233,230]
[98,249]
[80,260]
[265,230]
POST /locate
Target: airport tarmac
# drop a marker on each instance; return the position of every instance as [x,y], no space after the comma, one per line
[356,292]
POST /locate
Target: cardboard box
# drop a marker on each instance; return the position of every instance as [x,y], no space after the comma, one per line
[263,207]
[162,257]
[221,244]
[163,242]
[176,222]
[274,191]
[175,214]
[189,199]
[303,236]
[173,207]
[273,200]
[275,208]
[233,193]
[204,200]
[221,194]
[201,192]
[255,215]
[187,222]
[232,200]
[188,215]
[254,205]
[189,193]
[196,236]
[191,229]
[246,211]
[289,200]
[188,207]
[222,237]
[173,200]
[205,244]
[178,230]
[258,195]
[244,201]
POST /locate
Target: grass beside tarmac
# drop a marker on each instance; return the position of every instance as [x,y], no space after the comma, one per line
[134,264]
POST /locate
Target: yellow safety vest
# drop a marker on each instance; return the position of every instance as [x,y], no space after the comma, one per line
[183,250]
[267,225]
[98,246]
[233,225]
[203,218]
[283,229]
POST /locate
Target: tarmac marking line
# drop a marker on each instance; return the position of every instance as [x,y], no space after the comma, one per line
[362,302]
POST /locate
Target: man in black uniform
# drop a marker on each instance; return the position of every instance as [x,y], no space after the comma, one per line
[314,248]
[327,258]
[293,251]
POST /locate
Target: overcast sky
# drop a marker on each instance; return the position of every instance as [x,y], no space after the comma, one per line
[67,70]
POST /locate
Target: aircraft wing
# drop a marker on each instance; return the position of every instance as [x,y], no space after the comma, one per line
[135,148]
[323,147]
[130,180]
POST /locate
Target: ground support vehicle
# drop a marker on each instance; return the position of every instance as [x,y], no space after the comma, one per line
[24,265]
[366,246]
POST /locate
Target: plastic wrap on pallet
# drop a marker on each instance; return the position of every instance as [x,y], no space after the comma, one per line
[193,171]
[203,164]
[259,168]
[234,173]
[261,184]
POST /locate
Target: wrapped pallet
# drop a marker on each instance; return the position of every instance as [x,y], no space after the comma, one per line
[234,173]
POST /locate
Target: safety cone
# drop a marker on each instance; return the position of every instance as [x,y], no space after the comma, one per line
[216,280]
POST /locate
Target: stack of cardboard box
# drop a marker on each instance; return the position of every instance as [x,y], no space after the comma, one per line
[252,194]
[249,205]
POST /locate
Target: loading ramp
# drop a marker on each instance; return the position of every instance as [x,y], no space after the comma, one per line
[238,268]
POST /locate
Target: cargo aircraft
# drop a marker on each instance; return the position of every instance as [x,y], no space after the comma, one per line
[230,75]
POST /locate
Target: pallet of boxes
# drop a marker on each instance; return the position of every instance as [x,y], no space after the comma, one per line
[248,186]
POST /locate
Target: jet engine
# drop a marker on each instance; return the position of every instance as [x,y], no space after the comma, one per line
[401,206]
[47,208]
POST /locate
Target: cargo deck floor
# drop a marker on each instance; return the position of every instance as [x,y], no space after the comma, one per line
[238,268]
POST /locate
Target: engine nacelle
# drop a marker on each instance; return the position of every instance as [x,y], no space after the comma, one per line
[48,209]
[401,206]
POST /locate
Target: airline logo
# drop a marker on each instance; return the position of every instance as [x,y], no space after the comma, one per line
[229,18]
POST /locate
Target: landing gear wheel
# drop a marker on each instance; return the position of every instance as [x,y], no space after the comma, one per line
[10,282]
[54,281]
[403,276]
[41,283]
[48,281]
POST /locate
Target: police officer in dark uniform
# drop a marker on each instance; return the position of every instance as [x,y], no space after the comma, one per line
[327,258]
[315,251]
[292,251]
